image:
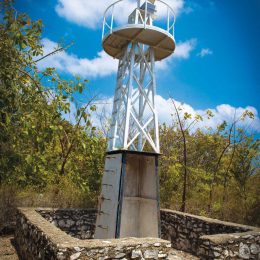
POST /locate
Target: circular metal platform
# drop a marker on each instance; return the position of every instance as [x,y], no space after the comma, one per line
[159,39]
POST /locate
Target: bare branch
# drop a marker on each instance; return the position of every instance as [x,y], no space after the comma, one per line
[183,206]
[49,54]
[71,146]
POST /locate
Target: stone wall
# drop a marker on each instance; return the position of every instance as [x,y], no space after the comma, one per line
[37,238]
[79,223]
[210,238]
[38,234]
[230,246]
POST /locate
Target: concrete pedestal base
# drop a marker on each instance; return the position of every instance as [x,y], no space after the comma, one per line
[129,202]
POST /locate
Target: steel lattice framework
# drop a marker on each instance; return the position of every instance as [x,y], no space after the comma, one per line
[134,117]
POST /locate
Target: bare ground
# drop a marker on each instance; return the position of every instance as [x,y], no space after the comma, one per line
[7,248]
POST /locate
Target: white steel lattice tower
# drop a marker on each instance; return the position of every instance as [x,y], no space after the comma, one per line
[134,115]
[130,188]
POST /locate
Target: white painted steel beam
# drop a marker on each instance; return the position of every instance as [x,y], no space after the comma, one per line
[134,117]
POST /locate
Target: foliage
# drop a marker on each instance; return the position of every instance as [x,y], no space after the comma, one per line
[46,160]
[222,175]
[38,146]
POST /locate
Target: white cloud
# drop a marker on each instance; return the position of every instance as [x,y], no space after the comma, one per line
[182,51]
[89,13]
[223,112]
[102,65]
[205,52]
[165,111]
[86,13]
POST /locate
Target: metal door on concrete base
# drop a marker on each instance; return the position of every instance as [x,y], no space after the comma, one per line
[108,200]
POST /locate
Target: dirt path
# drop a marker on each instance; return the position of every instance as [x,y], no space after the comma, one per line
[7,250]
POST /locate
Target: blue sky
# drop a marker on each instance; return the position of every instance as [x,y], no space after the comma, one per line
[216,64]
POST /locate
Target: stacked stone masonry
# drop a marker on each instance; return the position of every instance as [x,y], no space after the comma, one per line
[210,238]
[79,223]
[37,238]
[206,238]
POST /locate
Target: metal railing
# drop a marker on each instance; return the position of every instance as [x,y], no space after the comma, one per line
[165,20]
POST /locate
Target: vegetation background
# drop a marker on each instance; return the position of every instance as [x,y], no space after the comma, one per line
[47,161]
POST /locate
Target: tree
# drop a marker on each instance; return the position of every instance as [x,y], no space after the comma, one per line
[38,146]
[245,165]
[185,126]
[210,156]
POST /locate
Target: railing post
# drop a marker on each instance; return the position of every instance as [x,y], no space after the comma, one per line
[170,28]
[103,30]
[137,16]
[145,14]
[168,19]
[112,19]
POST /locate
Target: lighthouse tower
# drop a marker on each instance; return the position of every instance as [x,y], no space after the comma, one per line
[129,202]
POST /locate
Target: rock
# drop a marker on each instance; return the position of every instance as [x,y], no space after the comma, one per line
[61,223]
[225,253]
[233,254]
[75,256]
[91,253]
[216,254]
[106,242]
[254,248]
[70,223]
[60,256]
[201,251]
[244,251]
[218,249]
[151,254]
[136,254]
[119,256]
[162,256]
[54,222]
[247,236]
